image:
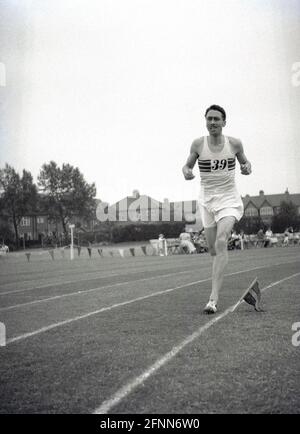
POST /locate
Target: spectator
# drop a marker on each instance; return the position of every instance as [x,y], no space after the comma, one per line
[233,242]
[186,243]
[268,237]
[285,238]
[200,242]
[288,236]
[244,240]
[291,235]
[161,245]
[236,240]
[4,248]
[260,238]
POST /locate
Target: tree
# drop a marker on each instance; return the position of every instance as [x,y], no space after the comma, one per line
[6,233]
[286,217]
[18,196]
[250,225]
[67,194]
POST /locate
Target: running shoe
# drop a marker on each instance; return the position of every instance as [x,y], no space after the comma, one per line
[211,307]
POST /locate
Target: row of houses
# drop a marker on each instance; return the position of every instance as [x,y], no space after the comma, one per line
[142,208]
[36,227]
[148,209]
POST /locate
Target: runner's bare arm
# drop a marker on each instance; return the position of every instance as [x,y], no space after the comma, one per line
[192,158]
[238,149]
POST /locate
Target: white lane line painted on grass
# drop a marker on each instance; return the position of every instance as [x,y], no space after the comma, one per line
[83,291]
[108,308]
[63,274]
[95,312]
[63,282]
[140,266]
[234,307]
[93,272]
[67,282]
[124,391]
[46,285]
[105,309]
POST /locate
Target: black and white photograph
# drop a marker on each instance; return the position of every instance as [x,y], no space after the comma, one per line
[149,210]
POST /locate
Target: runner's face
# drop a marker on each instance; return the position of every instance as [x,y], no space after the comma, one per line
[214,122]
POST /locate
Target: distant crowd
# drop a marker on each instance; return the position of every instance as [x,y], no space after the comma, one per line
[195,242]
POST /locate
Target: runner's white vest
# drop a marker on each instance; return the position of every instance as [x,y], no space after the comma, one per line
[217,173]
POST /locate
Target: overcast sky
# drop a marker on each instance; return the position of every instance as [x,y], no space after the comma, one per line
[119,89]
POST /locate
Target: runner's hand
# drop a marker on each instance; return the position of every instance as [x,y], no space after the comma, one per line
[246,168]
[188,173]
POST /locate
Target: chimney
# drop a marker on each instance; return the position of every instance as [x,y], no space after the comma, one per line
[136,194]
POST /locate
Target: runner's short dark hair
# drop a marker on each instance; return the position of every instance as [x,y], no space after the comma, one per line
[218,108]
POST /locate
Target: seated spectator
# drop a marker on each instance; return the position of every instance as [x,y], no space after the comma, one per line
[268,237]
[186,243]
[260,238]
[286,238]
[4,248]
[234,241]
[200,242]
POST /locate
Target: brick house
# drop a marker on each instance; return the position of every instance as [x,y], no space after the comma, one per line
[143,208]
[38,225]
[35,226]
[261,207]
[266,206]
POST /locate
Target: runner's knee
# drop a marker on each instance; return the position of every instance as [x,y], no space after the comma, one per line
[221,243]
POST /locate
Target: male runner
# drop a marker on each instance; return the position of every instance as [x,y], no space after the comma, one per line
[219,201]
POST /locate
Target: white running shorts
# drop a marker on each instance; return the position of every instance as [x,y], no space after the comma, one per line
[210,216]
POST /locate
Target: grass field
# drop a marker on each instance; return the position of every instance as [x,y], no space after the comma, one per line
[127,335]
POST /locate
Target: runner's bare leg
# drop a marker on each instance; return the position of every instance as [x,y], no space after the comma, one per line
[210,236]
[223,231]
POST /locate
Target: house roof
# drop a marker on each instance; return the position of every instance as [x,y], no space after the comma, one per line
[273,200]
[258,201]
[143,198]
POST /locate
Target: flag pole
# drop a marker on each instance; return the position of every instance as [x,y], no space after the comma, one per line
[72,242]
